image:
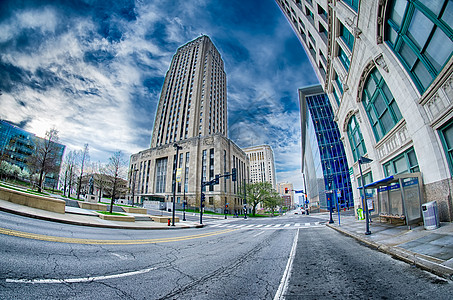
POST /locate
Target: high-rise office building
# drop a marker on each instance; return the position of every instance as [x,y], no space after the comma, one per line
[192,114]
[324,161]
[262,166]
[386,67]
[193,101]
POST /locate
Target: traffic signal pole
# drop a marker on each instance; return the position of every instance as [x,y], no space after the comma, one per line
[214,182]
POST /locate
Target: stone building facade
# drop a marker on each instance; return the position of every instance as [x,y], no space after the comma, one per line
[387,68]
[200,159]
[262,166]
[192,114]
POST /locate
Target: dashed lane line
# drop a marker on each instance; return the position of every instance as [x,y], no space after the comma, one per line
[59,239]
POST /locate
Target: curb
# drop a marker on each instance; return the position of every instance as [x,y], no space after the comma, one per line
[94,225]
[425,262]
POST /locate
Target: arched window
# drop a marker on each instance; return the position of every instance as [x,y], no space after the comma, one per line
[381,107]
[421,35]
[355,139]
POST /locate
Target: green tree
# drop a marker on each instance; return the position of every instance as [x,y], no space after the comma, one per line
[256,193]
[272,200]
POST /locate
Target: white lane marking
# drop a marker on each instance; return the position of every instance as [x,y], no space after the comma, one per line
[287,225]
[259,233]
[81,279]
[283,287]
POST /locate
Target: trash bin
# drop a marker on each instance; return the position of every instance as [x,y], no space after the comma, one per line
[430,215]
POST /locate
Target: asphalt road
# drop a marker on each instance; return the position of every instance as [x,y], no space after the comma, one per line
[232,259]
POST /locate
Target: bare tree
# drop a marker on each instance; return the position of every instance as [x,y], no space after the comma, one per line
[45,157]
[69,168]
[115,170]
[101,178]
[84,156]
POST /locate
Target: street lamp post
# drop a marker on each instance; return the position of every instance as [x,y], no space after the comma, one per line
[364,160]
[133,185]
[174,183]
[184,203]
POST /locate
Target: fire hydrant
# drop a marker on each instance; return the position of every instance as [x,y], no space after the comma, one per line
[168,222]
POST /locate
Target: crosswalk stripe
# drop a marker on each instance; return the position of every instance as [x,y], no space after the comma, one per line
[260,225]
[277,225]
[287,225]
[267,226]
[297,225]
[307,224]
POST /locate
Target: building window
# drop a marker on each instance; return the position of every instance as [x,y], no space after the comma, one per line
[344,59]
[161,174]
[381,107]
[211,167]
[339,84]
[356,139]
[446,136]
[420,34]
[335,95]
[404,163]
[346,36]
[354,4]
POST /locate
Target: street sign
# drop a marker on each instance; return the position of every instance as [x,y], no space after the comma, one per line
[338,193]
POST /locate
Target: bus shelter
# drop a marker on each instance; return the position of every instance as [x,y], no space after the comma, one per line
[398,198]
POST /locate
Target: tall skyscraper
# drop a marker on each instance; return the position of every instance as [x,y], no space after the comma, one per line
[323,156]
[193,101]
[192,114]
[386,67]
[262,167]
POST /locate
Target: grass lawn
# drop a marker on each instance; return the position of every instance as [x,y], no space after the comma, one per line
[111,213]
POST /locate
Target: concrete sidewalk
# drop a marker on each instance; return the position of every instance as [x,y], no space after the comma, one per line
[85,217]
[431,250]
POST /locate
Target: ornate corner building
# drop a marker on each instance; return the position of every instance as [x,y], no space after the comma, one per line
[191,113]
[386,66]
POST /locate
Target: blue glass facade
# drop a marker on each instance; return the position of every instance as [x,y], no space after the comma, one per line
[323,150]
[16,146]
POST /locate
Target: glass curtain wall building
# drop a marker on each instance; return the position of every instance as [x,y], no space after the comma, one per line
[325,151]
[17,145]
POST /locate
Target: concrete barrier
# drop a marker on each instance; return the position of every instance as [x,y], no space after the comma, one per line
[117,218]
[135,210]
[93,206]
[31,200]
[163,219]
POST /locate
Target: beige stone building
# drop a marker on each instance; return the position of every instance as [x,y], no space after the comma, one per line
[285,189]
[387,69]
[192,113]
[262,166]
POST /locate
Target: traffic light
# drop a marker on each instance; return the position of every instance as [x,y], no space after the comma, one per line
[217,179]
[202,197]
[286,190]
[234,174]
[226,206]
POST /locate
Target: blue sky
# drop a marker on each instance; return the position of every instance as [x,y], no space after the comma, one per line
[94,70]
